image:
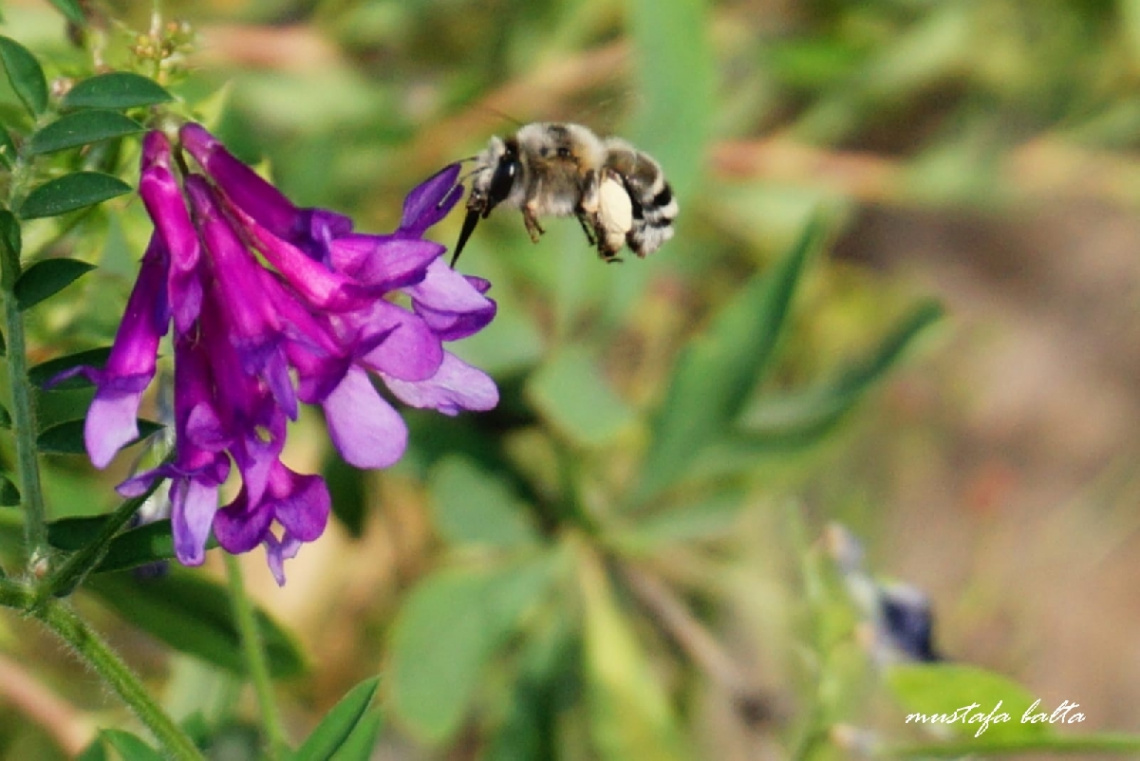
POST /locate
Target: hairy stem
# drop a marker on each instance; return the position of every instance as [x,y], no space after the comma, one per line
[86,643]
[23,413]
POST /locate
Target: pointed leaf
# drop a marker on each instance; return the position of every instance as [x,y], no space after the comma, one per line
[130,747]
[445,634]
[192,614]
[71,534]
[67,438]
[70,9]
[339,723]
[7,148]
[800,419]
[9,493]
[3,346]
[10,247]
[118,90]
[5,417]
[25,75]
[45,279]
[933,692]
[471,506]
[40,374]
[720,367]
[81,128]
[149,543]
[71,192]
[361,744]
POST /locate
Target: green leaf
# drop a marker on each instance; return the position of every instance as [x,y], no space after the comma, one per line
[71,192]
[470,506]
[801,419]
[720,367]
[5,417]
[192,614]
[937,691]
[3,346]
[40,374]
[339,724]
[10,247]
[673,60]
[70,9]
[361,744]
[67,438]
[569,392]
[130,747]
[148,543]
[7,148]
[45,279]
[9,493]
[444,635]
[117,90]
[25,75]
[81,128]
[630,715]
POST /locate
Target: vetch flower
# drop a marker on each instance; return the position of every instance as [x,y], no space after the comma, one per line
[275,306]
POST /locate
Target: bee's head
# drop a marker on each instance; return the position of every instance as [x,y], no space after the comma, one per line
[505,168]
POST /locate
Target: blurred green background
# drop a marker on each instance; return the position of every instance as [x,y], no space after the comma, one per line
[980,154]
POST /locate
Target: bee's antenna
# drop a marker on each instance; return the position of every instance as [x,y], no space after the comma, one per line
[502,115]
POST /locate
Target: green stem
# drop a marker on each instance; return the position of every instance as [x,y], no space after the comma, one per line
[91,648]
[23,414]
[253,650]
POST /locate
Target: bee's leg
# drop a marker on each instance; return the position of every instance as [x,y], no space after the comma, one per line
[531,221]
[588,226]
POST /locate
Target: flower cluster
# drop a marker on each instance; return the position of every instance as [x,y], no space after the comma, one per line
[333,309]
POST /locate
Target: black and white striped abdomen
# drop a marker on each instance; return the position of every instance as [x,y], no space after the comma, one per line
[654,206]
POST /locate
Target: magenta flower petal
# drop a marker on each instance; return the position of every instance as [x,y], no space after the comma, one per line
[240,526]
[411,351]
[450,303]
[431,201]
[112,422]
[365,429]
[193,504]
[302,504]
[384,262]
[257,197]
[456,386]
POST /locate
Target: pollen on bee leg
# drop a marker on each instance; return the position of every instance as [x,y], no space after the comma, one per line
[615,213]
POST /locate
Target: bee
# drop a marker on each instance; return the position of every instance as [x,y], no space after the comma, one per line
[546,169]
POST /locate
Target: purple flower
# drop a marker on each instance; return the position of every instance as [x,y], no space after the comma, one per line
[253,342]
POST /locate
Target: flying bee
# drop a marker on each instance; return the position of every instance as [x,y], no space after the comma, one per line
[618,193]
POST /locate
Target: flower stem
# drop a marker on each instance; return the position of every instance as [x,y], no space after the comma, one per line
[23,414]
[91,648]
[253,650]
